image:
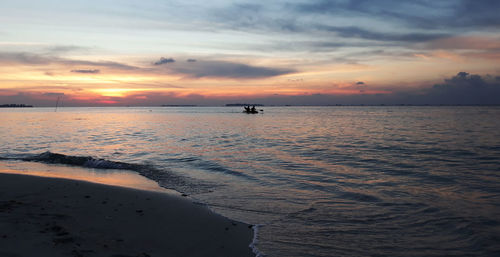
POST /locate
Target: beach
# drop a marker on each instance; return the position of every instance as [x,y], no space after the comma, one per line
[42,216]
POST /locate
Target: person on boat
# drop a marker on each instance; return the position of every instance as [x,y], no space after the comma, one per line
[253,109]
[247,108]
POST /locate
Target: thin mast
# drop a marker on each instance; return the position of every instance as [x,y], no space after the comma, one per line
[57,103]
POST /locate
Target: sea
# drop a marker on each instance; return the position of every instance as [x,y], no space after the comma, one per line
[314,181]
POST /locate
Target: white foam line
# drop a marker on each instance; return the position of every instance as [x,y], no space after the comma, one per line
[253,245]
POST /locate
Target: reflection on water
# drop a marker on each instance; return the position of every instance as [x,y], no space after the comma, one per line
[324,181]
[121,178]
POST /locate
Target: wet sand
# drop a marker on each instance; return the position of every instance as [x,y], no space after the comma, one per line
[61,217]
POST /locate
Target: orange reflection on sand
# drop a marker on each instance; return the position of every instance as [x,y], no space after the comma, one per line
[107,177]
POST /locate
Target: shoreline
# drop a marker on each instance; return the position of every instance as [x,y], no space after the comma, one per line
[42,216]
[111,177]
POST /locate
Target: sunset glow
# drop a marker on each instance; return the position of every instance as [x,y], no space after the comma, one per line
[100,53]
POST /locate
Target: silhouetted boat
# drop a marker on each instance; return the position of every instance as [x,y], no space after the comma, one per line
[251,112]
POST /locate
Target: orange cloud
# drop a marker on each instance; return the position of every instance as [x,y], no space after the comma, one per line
[465,42]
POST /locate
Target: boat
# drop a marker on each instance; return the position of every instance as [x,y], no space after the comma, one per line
[250,111]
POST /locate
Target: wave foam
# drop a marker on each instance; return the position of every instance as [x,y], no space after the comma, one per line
[163,176]
[82,161]
[255,240]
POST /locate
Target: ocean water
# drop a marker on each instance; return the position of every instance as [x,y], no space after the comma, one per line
[318,181]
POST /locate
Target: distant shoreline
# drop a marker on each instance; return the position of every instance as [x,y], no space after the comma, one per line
[15,106]
[178,105]
[260,105]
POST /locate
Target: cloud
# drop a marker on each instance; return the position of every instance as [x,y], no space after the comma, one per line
[217,69]
[24,58]
[473,13]
[53,94]
[164,61]
[241,15]
[360,86]
[464,88]
[261,17]
[86,71]
[31,98]
[465,43]
[446,14]
[461,89]
[107,64]
[402,23]
[59,49]
[327,25]
[357,32]
[192,68]
[225,69]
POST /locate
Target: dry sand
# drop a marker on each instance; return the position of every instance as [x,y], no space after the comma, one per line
[60,217]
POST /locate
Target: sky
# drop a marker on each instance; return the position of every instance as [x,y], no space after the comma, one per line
[308,52]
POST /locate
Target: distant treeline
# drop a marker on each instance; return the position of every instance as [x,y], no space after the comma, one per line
[15,106]
[286,105]
[244,105]
[178,105]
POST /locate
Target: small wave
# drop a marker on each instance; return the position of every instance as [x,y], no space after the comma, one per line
[209,165]
[255,240]
[212,166]
[81,161]
[359,197]
[164,177]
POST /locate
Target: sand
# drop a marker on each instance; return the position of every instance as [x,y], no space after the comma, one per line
[60,217]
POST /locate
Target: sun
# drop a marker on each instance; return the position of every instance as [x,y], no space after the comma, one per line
[115,92]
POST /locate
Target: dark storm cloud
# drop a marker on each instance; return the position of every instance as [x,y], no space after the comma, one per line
[225,69]
[86,71]
[464,88]
[164,61]
[461,89]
